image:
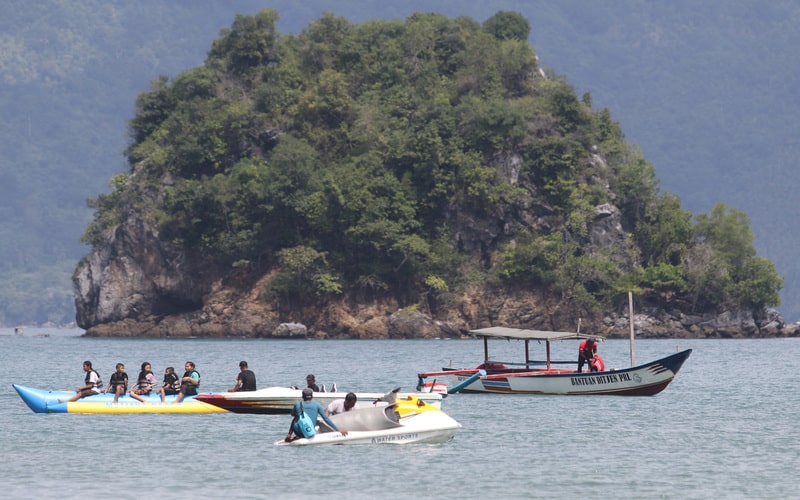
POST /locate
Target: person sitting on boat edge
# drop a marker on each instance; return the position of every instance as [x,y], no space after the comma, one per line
[92,384]
[350,402]
[118,382]
[144,383]
[586,352]
[311,382]
[245,380]
[189,382]
[313,410]
[172,384]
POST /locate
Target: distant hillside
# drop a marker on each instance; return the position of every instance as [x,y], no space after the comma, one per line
[707,91]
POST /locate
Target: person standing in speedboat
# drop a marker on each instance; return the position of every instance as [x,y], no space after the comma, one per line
[189,382]
[92,384]
[350,402]
[313,410]
[586,352]
[245,380]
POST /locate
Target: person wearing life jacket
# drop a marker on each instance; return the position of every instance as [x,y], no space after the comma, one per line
[172,384]
[597,364]
[189,382]
[92,384]
[586,352]
[144,383]
[118,382]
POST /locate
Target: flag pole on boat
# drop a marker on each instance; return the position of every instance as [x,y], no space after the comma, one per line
[630,320]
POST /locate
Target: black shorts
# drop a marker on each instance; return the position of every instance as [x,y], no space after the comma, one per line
[189,389]
[169,391]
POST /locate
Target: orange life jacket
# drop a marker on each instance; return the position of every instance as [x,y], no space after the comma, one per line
[597,364]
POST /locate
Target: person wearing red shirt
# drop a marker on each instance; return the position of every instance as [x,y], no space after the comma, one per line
[586,352]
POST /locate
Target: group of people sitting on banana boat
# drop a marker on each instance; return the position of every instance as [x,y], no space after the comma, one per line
[146,382]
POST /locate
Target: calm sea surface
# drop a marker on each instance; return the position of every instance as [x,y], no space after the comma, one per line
[727,427]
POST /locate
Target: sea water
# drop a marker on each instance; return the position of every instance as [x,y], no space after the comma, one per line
[727,426]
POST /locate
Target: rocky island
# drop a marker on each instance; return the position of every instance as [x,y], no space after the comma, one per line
[400,179]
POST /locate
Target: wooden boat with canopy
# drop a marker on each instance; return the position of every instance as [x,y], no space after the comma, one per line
[544,377]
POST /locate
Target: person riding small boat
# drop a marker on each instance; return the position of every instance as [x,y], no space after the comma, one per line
[586,353]
[305,414]
[172,384]
[189,383]
[93,384]
[118,384]
[144,383]
[337,406]
[597,364]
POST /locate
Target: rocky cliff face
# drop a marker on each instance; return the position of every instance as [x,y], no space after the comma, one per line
[137,285]
[135,276]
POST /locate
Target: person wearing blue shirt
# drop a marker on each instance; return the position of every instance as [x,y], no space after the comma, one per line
[313,410]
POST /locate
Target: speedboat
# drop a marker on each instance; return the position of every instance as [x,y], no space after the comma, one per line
[408,419]
[543,377]
[44,401]
[275,400]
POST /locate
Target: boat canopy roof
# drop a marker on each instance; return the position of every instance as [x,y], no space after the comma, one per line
[504,332]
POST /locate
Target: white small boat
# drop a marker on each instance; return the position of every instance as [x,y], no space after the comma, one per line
[277,400]
[406,420]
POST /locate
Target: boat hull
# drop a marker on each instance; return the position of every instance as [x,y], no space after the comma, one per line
[44,401]
[642,380]
[407,423]
[280,400]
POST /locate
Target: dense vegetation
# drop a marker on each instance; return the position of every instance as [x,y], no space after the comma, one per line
[350,156]
[679,77]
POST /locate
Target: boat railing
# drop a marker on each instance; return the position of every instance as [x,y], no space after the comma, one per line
[533,363]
